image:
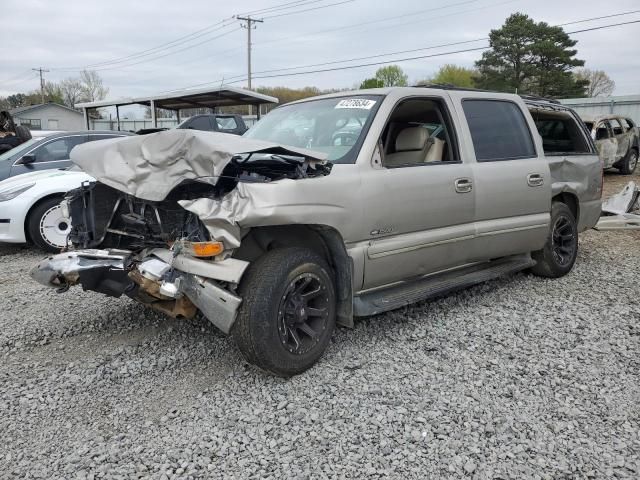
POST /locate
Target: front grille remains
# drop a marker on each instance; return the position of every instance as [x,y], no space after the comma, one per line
[103,217]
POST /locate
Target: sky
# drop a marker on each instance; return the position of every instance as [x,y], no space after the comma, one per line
[143,48]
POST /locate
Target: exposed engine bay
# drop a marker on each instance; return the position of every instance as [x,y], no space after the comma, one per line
[103,216]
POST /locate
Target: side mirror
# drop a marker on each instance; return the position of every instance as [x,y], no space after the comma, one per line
[27,159]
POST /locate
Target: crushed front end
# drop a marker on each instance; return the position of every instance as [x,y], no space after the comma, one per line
[149,251]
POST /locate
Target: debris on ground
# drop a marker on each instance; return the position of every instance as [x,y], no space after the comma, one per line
[622,210]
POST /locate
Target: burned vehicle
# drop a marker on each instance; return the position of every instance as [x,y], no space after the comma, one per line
[617,141]
[345,205]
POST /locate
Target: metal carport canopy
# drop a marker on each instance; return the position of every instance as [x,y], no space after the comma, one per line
[223,96]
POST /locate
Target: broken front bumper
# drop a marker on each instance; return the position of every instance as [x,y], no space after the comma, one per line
[178,285]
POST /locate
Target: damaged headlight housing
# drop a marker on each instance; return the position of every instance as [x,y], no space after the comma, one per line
[199,249]
[13,192]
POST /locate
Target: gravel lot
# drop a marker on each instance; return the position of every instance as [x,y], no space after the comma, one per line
[517,378]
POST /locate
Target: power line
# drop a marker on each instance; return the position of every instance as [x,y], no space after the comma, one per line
[155,50]
[18,78]
[282,6]
[464,42]
[427,56]
[599,18]
[603,26]
[309,9]
[420,49]
[180,40]
[116,67]
[371,22]
[396,60]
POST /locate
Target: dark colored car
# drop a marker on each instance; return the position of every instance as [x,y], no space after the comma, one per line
[48,152]
[215,123]
[211,122]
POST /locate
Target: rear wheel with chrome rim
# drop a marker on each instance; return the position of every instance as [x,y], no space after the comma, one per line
[288,311]
[48,228]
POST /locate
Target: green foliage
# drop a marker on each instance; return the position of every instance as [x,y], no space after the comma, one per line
[529,57]
[371,83]
[450,74]
[286,95]
[392,76]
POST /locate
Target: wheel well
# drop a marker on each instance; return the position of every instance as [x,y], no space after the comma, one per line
[28,216]
[322,239]
[571,201]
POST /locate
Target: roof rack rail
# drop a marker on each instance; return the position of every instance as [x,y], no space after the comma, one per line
[448,86]
[540,99]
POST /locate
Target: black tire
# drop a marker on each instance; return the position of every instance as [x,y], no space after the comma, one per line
[34,221]
[559,254]
[629,162]
[272,316]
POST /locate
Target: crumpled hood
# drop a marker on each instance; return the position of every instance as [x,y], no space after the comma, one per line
[150,166]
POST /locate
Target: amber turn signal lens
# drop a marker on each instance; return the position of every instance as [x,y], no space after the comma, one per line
[203,249]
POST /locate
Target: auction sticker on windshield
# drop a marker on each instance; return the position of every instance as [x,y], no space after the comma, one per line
[360,103]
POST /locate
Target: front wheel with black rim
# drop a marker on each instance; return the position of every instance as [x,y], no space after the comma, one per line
[629,162]
[559,254]
[48,228]
[288,311]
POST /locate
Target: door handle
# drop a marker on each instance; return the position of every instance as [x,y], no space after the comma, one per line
[463,185]
[535,180]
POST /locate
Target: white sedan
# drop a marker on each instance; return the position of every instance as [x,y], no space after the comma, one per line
[30,207]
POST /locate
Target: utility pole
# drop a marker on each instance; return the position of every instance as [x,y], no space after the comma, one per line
[41,70]
[249,26]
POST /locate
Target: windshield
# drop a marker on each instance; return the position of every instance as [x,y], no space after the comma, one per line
[335,126]
[22,148]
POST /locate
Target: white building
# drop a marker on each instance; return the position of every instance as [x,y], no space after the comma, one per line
[48,116]
[626,106]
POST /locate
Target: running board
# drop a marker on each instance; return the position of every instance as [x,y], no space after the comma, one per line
[436,285]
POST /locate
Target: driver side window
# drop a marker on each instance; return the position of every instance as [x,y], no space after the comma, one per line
[419,133]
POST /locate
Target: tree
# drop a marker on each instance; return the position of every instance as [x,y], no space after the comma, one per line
[391,76]
[530,57]
[600,84]
[92,86]
[371,83]
[285,95]
[450,74]
[17,100]
[52,92]
[71,89]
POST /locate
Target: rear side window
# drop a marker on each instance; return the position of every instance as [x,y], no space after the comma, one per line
[560,132]
[226,123]
[499,130]
[627,122]
[200,123]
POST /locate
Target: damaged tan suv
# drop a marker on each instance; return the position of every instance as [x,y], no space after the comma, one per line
[329,208]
